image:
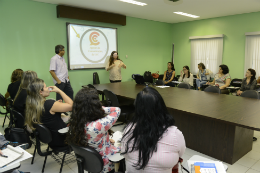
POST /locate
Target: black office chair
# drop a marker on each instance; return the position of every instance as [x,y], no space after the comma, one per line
[212,89]
[159,82]
[161,76]
[43,134]
[18,119]
[236,82]
[184,85]
[126,110]
[95,78]
[250,94]
[88,159]
[3,103]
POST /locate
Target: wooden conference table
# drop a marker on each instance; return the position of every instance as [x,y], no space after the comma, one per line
[218,125]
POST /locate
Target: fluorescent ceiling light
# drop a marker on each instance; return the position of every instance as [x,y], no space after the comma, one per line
[186,14]
[134,2]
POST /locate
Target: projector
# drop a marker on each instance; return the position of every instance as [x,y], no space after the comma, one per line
[174,0]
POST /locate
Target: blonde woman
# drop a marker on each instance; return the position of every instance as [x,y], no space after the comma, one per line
[20,98]
[47,112]
[114,67]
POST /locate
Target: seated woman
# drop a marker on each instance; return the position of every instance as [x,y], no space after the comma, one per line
[20,98]
[151,143]
[169,75]
[222,79]
[15,83]
[89,126]
[47,112]
[202,76]
[186,76]
[248,83]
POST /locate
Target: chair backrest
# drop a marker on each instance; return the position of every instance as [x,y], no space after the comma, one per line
[184,85]
[42,134]
[111,98]
[18,119]
[250,94]
[2,100]
[236,82]
[159,82]
[161,76]
[10,102]
[212,89]
[88,159]
[95,78]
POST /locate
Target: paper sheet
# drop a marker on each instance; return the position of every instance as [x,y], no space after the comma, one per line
[219,165]
[162,86]
[11,153]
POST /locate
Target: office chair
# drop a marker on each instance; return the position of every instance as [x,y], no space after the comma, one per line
[43,134]
[250,94]
[184,85]
[212,89]
[3,103]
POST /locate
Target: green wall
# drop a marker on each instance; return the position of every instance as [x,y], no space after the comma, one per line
[30,30]
[234,29]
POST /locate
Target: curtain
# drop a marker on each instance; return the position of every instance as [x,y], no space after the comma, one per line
[252,53]
[208,51]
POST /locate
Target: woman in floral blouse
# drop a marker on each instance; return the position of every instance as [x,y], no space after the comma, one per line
[89,126]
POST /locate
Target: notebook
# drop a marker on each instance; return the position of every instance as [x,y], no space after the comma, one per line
[12,155]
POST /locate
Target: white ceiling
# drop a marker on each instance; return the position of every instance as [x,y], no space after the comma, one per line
[162,10]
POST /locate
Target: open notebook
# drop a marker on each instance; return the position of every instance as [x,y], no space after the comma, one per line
[12,153]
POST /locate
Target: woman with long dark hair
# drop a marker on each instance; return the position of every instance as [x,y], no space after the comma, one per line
[151,143]
[114,67]
[186,76]
[249,82]
[89,126]
[15,83]
[169,75]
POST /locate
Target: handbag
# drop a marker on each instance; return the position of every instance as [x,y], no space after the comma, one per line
[19,135]
[175,169]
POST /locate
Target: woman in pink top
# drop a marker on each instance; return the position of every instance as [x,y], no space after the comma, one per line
[89,126]
[151,143]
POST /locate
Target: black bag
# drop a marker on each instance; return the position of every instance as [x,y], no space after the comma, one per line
[17,135]
[148,77]
[138,78]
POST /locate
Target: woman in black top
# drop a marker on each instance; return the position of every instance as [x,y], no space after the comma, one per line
[20,98]
[47,112]
[248,83]
[15,83]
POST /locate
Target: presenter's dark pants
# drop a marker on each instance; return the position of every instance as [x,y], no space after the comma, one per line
[114,81]
[66,88]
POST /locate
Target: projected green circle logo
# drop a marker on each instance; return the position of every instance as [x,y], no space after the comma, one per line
[94,45]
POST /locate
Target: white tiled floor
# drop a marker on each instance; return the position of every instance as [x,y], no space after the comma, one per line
[250,163]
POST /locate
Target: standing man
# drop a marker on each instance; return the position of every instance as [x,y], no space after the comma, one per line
[59,73]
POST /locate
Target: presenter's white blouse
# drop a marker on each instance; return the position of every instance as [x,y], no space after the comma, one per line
[115,72]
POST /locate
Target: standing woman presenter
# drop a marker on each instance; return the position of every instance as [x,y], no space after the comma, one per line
[114,67]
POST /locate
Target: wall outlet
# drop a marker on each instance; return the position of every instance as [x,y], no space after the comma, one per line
[126,56]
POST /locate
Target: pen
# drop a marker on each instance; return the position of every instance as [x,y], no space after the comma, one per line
[3,155]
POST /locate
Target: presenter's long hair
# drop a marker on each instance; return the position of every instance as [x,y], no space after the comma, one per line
[111,59]
[34,102]
[86,108]
[147,126]
[16,75]
[27,78]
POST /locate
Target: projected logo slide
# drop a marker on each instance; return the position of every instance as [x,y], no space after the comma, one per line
[94,45]
[90,46]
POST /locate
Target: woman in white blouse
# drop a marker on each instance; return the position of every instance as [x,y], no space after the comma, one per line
[186,76]
[114,67]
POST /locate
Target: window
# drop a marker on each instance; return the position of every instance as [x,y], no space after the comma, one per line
[208,50]
[252,53]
